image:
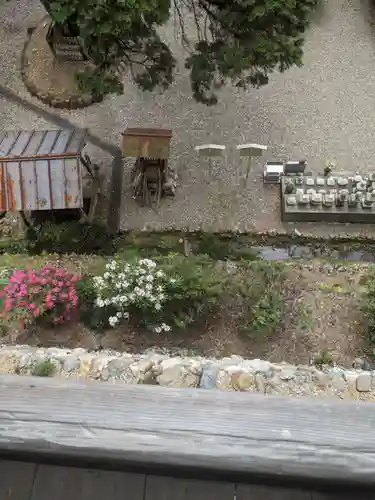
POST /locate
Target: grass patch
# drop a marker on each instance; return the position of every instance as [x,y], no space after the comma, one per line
[259,291]
[44,369]
[323,358]
[304,316]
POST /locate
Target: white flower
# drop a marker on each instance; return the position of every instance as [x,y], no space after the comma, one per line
[98,281]
[148,286]
[106,275]
[125,315]
[157,306]
[161,297]
[149,277]
[113,320]
[158,329]
[111,266]
[165,327]
[119,315]
[100,302]
[172,281]
[159,274]
[147,262]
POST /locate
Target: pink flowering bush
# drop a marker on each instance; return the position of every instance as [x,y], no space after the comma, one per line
[49,293]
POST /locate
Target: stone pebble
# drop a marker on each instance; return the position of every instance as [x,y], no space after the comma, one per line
[153,367]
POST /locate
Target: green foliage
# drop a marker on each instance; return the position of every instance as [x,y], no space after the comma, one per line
[369,309]
[171,292]
[323,358]
[99,82]
[210,244]
[198,290]
[260,291]
[69,237]
[92,316]
[44,369]
[240,41]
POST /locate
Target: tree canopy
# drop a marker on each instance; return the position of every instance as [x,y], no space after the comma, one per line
[241,41]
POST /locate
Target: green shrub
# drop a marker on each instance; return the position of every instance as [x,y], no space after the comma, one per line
[171,292]
[323,358]
[369,309]
[44,369]
[92,316]
[259,289]
[69,237]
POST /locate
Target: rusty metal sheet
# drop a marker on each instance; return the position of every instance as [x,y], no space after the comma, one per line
[3,194]
[41,184]
[73,183]
[29,185]
[58,182]
[14,191]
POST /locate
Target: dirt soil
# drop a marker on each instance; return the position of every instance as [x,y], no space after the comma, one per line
[322,313]
[52,77]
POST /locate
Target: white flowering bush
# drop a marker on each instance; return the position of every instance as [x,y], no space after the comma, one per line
[126,287]
[159,295]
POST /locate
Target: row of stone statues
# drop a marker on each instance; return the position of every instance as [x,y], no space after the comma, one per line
[334,198]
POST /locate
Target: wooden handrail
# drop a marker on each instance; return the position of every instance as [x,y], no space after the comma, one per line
[242,433]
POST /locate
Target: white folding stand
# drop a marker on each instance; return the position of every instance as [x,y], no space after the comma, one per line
[210,151]
[249,151]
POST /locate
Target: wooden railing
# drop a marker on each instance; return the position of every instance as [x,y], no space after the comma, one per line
[309,444]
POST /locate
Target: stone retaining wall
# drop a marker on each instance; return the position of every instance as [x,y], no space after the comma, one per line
[232,373]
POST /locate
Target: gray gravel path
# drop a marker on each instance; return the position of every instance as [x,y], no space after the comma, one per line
[324,110]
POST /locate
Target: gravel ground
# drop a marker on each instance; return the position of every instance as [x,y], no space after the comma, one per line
[321,111]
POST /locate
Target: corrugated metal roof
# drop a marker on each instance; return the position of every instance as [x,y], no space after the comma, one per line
[41,143]
[41,170]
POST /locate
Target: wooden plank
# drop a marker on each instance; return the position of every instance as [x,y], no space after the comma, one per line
[342,495]
[35,142]
[76,142]
[7,142]
[62,142]
[30,193]
[168,488]
[58,183]
[68,483]
[42,185]
[14,190]
[48,143]
[16,480]
[255,492]
[73,183]
[247,434]
[21,143]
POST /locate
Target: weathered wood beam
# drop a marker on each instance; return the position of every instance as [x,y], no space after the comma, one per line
[232,432]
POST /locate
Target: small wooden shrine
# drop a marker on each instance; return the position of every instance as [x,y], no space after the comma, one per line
[151,176]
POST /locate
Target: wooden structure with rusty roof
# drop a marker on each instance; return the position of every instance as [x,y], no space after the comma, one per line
[41,170]
[71,440]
